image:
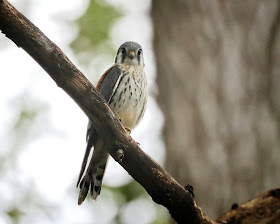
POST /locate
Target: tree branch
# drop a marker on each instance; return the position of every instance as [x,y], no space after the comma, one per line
[157,182]
[264,209]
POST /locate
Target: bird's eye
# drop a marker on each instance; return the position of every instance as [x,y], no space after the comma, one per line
[139,52]
[123,50]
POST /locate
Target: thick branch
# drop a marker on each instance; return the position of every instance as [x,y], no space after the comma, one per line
[157,182]
[264,209]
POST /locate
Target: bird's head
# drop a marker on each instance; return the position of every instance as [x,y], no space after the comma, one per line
[130,53]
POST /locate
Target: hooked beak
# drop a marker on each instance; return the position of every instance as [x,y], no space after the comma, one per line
[131,54]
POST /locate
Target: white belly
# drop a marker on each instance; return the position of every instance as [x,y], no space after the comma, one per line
[130,100]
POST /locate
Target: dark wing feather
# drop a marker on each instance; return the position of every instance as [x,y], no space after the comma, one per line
[84,163]
[109,81]
[106,86]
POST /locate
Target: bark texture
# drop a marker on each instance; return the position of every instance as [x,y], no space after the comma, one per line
[218,77]
[264,209]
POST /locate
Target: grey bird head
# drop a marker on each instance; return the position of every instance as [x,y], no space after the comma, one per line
[130,53]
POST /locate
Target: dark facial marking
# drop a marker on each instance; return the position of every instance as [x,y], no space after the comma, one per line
[128,45]
[123,56]
[139,55]
[123,50]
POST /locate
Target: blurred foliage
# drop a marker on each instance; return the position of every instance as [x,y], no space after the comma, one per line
[94,26]
[15,214]
[163,219]
[21,130]
[26,115]
[130,191]
[133,191]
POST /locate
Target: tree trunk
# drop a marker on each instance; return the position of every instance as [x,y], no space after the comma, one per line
[218,76]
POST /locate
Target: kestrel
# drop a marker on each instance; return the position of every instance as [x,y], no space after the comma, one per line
[124,87]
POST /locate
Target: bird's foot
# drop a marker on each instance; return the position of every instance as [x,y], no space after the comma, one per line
[127,130]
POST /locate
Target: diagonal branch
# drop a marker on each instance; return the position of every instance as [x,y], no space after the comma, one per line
[157,182]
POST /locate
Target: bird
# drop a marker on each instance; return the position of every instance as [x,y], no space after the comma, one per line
[124,88]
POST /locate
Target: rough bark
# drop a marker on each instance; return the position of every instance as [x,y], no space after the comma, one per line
[264,209]
[158,183]
[218,77]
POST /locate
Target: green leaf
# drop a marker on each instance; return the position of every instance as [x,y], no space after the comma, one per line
[94,26]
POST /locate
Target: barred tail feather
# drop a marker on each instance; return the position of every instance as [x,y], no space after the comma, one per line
[92,180]
[97,179]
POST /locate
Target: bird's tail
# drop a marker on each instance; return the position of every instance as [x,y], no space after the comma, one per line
[92,180]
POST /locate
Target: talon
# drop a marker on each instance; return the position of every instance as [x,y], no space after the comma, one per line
[127,130]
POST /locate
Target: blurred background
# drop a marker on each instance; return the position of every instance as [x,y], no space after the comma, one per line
[213,116]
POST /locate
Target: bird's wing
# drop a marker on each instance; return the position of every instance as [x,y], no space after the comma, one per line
[107,86]
[109,82]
